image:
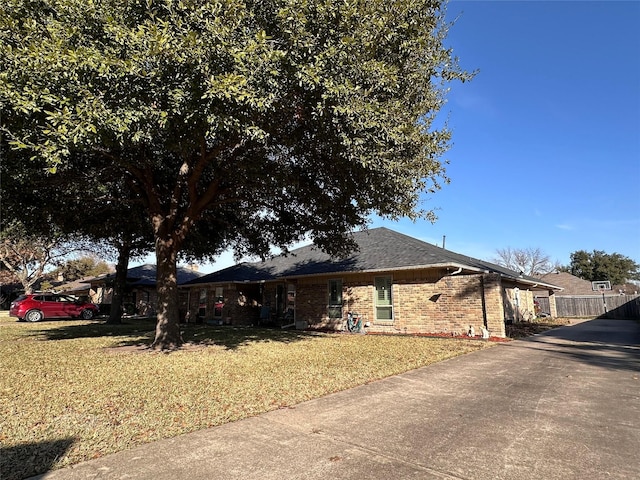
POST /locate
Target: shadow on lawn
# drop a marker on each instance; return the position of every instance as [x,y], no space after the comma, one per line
[140,332]
[27,460]
[137,330]
[234,337]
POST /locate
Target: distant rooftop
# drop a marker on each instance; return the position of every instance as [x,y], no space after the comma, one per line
[145,275]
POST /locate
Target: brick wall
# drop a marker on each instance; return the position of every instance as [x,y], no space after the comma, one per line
[494,306]
[311,304]
[553,307]
[423,302]
[241,307]
[146,301]
[450,304]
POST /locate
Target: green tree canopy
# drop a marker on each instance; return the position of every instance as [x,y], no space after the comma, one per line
[598,266]
[237,123]
[83,266]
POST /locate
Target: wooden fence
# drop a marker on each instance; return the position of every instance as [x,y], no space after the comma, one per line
[617,306]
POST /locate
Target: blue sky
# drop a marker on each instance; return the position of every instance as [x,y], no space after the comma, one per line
[546,138]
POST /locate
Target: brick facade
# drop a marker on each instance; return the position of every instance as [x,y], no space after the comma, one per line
[398,284]
[424,301]
[240,305]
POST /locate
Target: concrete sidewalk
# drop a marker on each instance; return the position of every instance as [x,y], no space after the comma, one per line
[562,405]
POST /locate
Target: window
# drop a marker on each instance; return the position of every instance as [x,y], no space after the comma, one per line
[384,302]
[335,299]
[202,303]
[219,303]
[290,313]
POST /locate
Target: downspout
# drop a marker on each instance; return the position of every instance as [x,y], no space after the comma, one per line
[484,303]
[456,272]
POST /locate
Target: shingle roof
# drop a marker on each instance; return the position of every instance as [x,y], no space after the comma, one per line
[571,284]
[145,275]
[75,286]
[379,249]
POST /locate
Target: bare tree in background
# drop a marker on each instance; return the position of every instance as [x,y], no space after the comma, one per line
[529,261]
[27,255]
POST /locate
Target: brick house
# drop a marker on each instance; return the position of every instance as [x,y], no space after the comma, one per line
[396,283]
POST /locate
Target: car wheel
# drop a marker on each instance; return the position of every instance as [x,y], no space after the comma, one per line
[34,316]
[86,314]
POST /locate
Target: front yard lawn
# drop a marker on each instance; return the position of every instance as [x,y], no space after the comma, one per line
[71,391]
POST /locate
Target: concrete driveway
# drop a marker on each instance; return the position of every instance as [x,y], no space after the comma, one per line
[562,405]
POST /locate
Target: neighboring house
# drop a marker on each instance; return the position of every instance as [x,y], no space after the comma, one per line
[578,298]
[79,288]
[398,284]
[140,294]
[571,285]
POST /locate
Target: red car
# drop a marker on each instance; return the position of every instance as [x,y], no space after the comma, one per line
[38,306]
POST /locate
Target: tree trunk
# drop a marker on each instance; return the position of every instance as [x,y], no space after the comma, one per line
[168,335]
[119,285]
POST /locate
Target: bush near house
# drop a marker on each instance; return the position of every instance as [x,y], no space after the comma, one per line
[535,326]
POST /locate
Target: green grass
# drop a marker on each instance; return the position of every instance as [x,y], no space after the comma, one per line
[71,391]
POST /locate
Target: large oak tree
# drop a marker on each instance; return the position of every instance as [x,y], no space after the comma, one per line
[241,124]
